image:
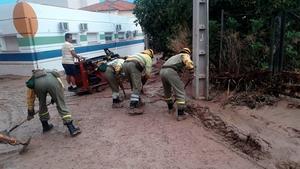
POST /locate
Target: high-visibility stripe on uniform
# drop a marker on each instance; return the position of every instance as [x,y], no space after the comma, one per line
[134,97]
[44,114]
[115,95]
[180,101]
[66,116]
[168,99]
[60,82]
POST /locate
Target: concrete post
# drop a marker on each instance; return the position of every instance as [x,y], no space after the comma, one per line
[201,48]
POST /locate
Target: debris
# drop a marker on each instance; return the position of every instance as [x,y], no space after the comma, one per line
[251,100]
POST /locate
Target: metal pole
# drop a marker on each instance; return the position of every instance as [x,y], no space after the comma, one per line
[201,48]
[281,44]
[32,39]
[221,40]
[272,45]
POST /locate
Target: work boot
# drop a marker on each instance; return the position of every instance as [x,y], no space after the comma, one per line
[117,103]
[181,115]
[72,89]
[136,104]
[74,131]
[140,103]
[46,126]
[133,104]
[136,108]
[171,107]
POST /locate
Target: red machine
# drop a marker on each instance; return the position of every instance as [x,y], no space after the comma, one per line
[89,79]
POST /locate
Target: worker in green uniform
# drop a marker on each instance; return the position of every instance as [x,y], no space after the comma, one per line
[113,74]
[40,84]
[137,69]
[171,80]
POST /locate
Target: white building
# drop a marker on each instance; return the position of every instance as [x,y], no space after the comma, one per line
[31,36]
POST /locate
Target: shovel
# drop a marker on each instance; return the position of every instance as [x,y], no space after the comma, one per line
[7,132]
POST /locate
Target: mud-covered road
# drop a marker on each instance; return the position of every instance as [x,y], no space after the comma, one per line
[110,137]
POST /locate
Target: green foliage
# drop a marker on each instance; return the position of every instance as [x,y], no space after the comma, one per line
[161,19]
[256,24]
[247,34]
[292,49]
[232,23]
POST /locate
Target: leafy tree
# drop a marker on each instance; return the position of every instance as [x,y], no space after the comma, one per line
[247,36]
[161,19]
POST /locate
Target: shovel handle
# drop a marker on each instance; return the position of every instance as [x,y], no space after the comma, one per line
[17,125]
[23,121]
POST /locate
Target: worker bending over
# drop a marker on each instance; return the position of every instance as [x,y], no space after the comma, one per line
[113,74]
[171,80]
[136,68]
[40,84]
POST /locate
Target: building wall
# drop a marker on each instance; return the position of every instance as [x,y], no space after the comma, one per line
[120,13]
[91,2]
[58,3]
[74,4]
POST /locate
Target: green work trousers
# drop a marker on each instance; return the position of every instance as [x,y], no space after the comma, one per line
[171,80]
[49,84]
[135,77]
[112,81]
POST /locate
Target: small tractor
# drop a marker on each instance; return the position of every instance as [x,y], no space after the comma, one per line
[89,79]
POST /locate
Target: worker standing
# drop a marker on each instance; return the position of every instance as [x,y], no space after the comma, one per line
[113,74]
[171,80]
[68,56]
[136,68]
[40,84]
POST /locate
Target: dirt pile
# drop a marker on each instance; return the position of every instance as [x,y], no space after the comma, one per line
[252,99]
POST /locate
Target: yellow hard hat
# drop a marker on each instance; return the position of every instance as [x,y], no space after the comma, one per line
[185,50]
[148,52]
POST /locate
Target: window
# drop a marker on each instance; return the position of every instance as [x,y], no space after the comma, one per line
[108,36]
[9,43]
[92,37]
[121,35]
[129,35]
[1,44]
[135,33]
[75,38]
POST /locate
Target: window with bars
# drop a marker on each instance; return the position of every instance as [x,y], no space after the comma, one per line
[121,35]
[92,37]
[108,36]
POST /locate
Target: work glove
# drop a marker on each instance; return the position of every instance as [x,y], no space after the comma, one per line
[30,114]
[191,73]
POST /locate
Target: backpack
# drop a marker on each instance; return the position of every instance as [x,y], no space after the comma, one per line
[30,83]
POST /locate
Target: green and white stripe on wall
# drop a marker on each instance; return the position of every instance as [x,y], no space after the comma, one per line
[50,40]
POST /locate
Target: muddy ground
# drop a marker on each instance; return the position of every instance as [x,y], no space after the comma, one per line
[213,137]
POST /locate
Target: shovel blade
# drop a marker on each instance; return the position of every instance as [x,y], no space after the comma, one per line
[25,145]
